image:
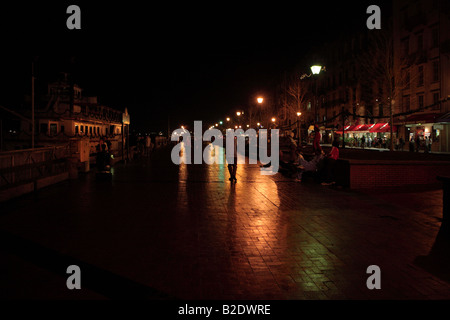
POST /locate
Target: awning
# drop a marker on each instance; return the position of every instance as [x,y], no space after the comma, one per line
[423,118]
[347,129]
[381,127]
[362,128]
[444,119]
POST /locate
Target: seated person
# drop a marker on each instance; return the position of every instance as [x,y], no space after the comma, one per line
[330,164]
[309,166]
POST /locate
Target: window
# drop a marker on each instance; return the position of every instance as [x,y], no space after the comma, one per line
[90,130]
[435,71]
[406,78]
[63,129]
[436,98]
[420,101]
[76,129]
[406,103]
[420,77]
[53,129]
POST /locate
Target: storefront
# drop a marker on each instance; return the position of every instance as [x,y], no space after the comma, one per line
[368,135]
[427,128]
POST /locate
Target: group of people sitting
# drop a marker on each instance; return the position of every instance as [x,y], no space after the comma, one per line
[322,164]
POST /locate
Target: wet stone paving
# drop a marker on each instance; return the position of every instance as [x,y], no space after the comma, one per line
[161,231]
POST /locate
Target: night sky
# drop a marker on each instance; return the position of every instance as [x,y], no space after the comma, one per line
[183,61]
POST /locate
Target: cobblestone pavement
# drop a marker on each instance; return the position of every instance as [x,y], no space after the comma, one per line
[160,231]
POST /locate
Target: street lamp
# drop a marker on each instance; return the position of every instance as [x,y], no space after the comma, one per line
[238,114]
[316,71]
[260,100]
[298,129]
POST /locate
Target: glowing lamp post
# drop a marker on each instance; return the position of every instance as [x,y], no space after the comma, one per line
[316,71]
[298,129]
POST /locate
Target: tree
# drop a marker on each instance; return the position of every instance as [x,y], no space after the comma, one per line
[387,74]
[293,97]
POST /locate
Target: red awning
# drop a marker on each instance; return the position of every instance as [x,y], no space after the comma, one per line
[362,128]
[423,118]
[381,127]
[347,129]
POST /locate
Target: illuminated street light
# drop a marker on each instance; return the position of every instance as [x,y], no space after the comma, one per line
[299,114]
[316,69]
[228,119]
[238,114]
[273,120]
[260,100]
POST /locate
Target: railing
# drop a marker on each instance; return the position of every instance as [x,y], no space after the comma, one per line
[22,166]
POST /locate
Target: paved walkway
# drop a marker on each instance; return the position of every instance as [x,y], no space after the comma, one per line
[160,231]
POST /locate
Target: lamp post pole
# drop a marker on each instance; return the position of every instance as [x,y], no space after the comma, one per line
[32,105]
[316,71]
[343,128]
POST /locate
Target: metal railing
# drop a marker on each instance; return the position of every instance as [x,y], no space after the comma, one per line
[22,166]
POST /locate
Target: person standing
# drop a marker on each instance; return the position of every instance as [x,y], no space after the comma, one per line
[232,161]
[148,144]
[317,137]
[402,143]
[330,164]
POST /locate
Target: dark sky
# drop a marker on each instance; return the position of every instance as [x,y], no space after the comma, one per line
[187,61]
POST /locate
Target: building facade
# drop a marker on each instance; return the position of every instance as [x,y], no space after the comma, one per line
[422,52]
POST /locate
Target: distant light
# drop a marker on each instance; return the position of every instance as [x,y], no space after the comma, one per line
[273,119]
[238,114]
[258,124]
[260,100]
[228,119]
[316,69]
[221,123]
[248,126]
[299,114]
